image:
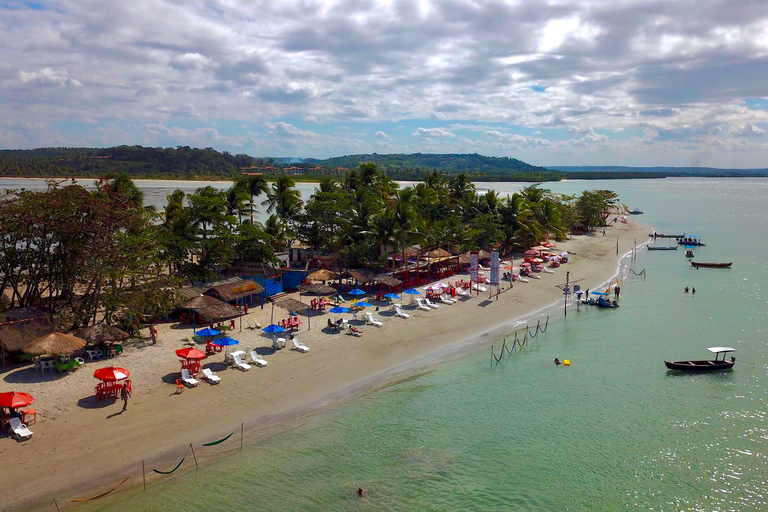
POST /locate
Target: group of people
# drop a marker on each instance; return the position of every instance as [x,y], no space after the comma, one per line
[693,290]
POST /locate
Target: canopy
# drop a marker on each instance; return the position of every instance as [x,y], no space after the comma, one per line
[102,333]
[226,341]
[356,291]
[322,275]
[525,264]
[411,291]
[14,399]
[111,373]
[272,328]
[337,309]
[362,304]
[392,296]
[207,332]
[190,353]
[54,343]
[717,350]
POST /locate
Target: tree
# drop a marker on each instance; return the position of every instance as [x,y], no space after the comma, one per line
[254,186]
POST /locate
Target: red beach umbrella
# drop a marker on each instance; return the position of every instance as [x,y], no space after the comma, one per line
[524,265]
[190,353]
[531,252]
[14,399]
[537,260]
[111,374]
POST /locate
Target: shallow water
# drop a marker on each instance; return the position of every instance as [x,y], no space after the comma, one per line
[613,431]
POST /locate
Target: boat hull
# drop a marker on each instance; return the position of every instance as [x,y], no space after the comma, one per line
[663,248]
[699,264]
[699,366]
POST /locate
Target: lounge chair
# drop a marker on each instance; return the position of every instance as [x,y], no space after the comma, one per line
[447,300]
[431,304]
[190,341]
[354,331]
[297,345]
[420,304]
[399,312]
[480,288]
[210,376]
[19,430]
[238,363]
[187,379]
[461,291]
[257,359]
[371,320]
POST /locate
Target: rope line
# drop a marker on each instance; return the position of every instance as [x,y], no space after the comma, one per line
[214,443]
[171,471]
[102,494]
[517,342]
[641,273]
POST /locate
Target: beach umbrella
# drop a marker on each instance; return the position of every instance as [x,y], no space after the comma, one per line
[14,399]
[101,333]
[226,342]
[190,353]
[531,252]
[207,332]
[526,264]
[392,296]
[356,291]
[337,309]
[322,275]
[54,343]
[272,329]
[362,304]
[111,373]
[537,260]
[412,291]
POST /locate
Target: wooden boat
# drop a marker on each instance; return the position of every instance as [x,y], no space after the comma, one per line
[689,253]
[636,211]
[652,248]
[699,264]
[661,235]
[691,240]
[708,365]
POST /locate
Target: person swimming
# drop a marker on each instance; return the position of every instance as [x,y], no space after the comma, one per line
[360,491]
[557,361]
[686,289]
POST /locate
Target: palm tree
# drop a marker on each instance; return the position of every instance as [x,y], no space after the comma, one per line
[122,184]
[283,199]
[254,186]
[515,225]
[236,197]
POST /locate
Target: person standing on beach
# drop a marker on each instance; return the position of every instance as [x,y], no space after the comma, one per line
[125,393]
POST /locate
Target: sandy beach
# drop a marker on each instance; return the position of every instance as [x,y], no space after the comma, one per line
[83,447]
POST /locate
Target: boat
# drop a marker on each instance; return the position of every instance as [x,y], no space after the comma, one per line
[636,211]
[699,264]
[689,253]
[661,235]
[658,248]
[707,365]
[692,240]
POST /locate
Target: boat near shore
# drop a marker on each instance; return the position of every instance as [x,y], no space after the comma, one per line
[672,248]
[706,365]
[702,264]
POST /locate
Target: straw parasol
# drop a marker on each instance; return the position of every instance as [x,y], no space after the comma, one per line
[437,253]
[54,343]
[322,275]
[317,289]
[210,308]
[102,333]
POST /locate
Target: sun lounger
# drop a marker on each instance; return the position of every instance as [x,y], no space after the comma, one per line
[19,430]
[237,362]
[481,288]
[420,304]
[399,312]
[356,333]
[297,345]
[371,320]
[190,341]
[187,379]
[447,300]
[210,376]
[431,304]
[461,291]
[257,359]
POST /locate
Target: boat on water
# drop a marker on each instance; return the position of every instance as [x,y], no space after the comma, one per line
[702,264]
[689,253]
[693,240]
[661,235]
[658,248]
[636,211]
[706,365]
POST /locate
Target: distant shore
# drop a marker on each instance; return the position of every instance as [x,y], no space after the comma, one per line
[88,447]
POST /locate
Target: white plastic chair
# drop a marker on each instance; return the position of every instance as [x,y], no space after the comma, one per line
[399,312]
[431,304]
[297,345]
[187,379]
[461,291]
[19,430]
[257,359]
[238,363]
[210,376]
[372,320]
[447,300]
[420,304]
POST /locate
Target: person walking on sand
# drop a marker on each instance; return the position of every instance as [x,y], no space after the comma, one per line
[125,393]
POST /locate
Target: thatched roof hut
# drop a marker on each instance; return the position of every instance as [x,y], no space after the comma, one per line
[317,289]
[210,308]
[101,333]
[54,343]
[436,253]
[388,280]
[363,275]
[466,257]
[322,275]
[15,335]
[292,305]
[230,292]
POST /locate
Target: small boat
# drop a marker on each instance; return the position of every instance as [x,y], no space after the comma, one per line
[636,211]
[689,253]
[692,240]
[705,365]
[661,235]
[658,248]
[700,264]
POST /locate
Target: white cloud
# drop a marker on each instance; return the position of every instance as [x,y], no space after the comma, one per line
[748,130]
[48,77]
[381,135]
[433,132]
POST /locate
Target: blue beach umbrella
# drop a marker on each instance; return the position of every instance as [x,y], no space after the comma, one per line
[356,291]
[412,291]
[226,341]
[392,296]
[338,309]
[272,329]
[362,304]
[207,332]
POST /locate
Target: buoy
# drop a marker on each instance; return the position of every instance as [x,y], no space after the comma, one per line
[567,362]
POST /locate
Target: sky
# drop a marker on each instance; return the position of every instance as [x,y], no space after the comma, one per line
[566,82]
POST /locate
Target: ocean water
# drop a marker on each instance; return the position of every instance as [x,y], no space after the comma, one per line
[614,431]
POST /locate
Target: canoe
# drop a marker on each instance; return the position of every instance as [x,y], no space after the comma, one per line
[699,366]
[651,248]
[699,264]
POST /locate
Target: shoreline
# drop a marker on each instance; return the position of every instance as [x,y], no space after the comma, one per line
[337,369]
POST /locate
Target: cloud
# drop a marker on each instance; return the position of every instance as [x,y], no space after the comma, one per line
[187,61]
[381,135]
[433,132]
[748,130]
[48,77]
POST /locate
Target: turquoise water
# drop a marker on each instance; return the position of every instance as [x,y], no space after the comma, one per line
[613,431]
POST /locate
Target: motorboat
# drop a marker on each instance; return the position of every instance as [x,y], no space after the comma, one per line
[692,240]
[707,365]
[701,264]
[636,211]
[689,253]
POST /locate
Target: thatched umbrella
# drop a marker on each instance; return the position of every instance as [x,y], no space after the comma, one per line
[101,333]
[322,275]
[54,343]
[317,289]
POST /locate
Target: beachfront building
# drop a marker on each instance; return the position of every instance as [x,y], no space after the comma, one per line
[270,278]
[205,309]
[239,292]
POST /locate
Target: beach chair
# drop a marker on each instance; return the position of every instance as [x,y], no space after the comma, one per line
[447,300]
[19,430]
[371,320]
[420,304]
[297,345]
[179,386]
[431,304]
[238,363]
[190,341]
[210,376]
[480,288]
[257,359]
[187,379]
[461,291]
[356,332]
[399,312]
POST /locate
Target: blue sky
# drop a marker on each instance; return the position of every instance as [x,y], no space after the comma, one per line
[571,82]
